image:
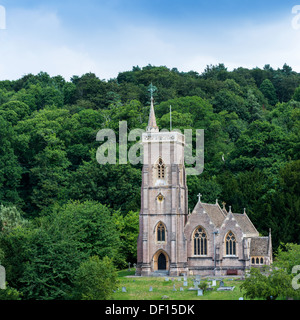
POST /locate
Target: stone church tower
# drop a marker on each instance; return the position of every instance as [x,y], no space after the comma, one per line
[208,241]
[164,205]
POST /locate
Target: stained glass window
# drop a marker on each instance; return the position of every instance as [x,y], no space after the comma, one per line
[230,244]
[161,232]
[200,242]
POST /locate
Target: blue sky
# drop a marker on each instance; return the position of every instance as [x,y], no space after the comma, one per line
[109,36]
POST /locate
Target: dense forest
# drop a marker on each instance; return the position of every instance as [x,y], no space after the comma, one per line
[60,207]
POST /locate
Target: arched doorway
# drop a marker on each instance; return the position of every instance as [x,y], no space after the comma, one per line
[161,262]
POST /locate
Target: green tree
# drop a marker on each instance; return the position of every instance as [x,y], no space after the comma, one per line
[14,111]
[10,169]
[93,181]
[282,206]
[296,95]
[246,189]
[253,106]
[10,294]
[128,226]
[269,91]
[268,285]
[262,145]
[91,88]
[41,257]
[275,282]
[50,174]
[287,256]
[95,279]
[229,101]
[10,218]
[218,72]
[180,121]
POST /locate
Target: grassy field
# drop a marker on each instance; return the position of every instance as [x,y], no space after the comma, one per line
[138,289]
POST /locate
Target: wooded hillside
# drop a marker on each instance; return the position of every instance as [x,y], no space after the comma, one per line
[55,196]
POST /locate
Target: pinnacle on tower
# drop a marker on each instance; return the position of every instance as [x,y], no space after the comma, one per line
[152,126]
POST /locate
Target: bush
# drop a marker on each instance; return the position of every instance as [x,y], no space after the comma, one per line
[10,294]
[95,279]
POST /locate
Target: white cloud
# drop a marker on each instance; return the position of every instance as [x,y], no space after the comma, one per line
[35,41]
[273,43]
[38,40]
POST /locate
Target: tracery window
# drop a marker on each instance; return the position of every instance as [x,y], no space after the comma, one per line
[230,244]
[161,232]
[200,242]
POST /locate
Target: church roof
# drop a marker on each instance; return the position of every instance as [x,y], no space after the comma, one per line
[245,224]
[259,246]
[217,216]
[215,213]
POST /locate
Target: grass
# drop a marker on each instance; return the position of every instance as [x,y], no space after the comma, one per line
[138,289]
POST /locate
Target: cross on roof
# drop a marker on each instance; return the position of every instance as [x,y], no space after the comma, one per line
[199,196]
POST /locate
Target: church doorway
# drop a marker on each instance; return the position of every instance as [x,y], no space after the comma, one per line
[160,261]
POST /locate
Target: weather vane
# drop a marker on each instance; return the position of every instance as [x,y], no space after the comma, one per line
[152,89]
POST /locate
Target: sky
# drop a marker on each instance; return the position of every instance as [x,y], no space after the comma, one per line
[106,37]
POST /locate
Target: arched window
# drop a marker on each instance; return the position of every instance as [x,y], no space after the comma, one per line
[161,232]
[160,169]
[253,260]
[257,261]
[230,244]
[200,242]
[261,261]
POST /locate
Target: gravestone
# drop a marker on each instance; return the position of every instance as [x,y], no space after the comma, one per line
[124,289]
[225,288]
[197,277]
[185,278]
[241,298]
[129,266]
[210,288]
[200,292]
[196,283]
[185,283]
[2,278]
[214,283]
[181,288]
[221,283]
[174,289]
[166,279]
[150,289]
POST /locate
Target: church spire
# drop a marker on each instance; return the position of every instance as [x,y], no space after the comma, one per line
[152,126]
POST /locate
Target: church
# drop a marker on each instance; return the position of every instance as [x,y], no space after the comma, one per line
[173,240]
